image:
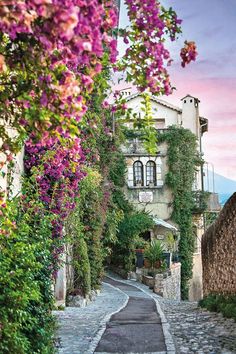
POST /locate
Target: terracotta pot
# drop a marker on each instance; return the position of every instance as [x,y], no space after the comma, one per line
[147,264]
[139,250]
[157,264]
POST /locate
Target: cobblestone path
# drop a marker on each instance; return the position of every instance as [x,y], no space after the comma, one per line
[193,330]
[198,331]
[79,328]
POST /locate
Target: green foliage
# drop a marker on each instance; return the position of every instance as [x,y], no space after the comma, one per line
[99,212]
[144,128]
[133,224]
[84,229]
[118,169]
[82,270]
[170,242]
[80,259]
[210,217]
[149,131]
[200,201]
[154,252]
[183,160]
[219,303]
[130,223]
[26,298]
[140,243]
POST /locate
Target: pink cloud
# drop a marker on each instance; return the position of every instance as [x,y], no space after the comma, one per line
[218,104]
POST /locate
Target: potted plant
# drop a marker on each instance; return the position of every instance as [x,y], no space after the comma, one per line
[140,245]
[171,245]
[154,254]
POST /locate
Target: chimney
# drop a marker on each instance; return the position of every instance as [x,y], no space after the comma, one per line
[190,114]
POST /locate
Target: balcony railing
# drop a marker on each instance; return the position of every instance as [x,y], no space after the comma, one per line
[200,201]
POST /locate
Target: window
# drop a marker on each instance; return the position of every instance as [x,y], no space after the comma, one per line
[138,173]
[151,173]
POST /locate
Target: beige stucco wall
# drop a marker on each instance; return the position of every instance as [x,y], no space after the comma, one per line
[160,205]
[190,115]
[159,111]
[195,285]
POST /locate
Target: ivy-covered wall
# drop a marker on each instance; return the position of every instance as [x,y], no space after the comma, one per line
[183,160]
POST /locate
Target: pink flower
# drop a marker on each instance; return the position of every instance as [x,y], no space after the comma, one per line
[87,46]
[105,104]
[9,157]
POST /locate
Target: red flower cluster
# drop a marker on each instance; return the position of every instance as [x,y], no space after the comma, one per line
[188,53]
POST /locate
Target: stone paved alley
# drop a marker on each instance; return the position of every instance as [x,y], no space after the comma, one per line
[190,329]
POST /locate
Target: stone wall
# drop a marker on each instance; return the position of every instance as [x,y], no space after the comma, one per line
[219,252]
[168,284]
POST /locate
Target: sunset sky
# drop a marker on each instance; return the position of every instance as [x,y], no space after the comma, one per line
[212,78]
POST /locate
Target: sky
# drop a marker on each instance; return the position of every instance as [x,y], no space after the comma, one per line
[212,78]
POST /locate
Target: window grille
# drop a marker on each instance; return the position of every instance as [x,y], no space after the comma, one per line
[138,173]
[151,173]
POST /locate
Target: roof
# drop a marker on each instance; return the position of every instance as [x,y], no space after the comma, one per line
[188,95]
[160,222]
[203,120]
[163,103]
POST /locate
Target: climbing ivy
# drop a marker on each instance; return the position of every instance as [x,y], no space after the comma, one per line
[26,259]
[133,223]
[182,159]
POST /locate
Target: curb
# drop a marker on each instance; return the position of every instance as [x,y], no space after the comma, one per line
[169,342]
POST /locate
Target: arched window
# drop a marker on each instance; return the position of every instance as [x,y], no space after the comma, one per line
[151,173]
[138,173]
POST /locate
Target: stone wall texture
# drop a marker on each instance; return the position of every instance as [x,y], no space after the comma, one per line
[167,285]
[219,252]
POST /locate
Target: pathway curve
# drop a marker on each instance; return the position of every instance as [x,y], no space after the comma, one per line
[137,328]
[195,330]
[80,329]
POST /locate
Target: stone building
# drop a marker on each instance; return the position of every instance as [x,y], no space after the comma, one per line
[146,173]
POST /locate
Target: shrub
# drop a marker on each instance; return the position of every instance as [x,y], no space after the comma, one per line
[154,252]
[26,300]
[132,225]
[82,271]
[219,303]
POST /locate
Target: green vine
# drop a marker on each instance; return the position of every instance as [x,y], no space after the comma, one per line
[26,298]
[183,160]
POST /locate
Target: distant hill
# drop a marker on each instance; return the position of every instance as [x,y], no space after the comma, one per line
[225,187]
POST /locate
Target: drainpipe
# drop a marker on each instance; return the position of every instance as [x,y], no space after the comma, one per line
[202,177]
